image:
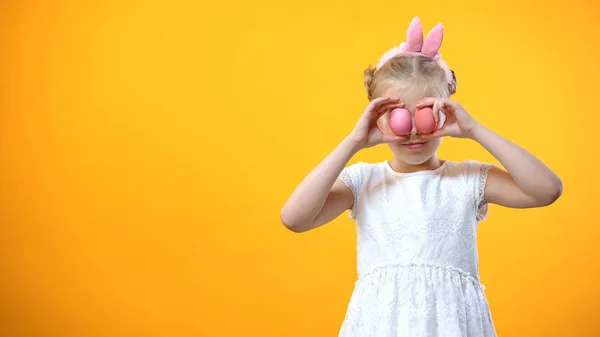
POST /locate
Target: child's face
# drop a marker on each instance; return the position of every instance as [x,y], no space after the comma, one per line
[421,149]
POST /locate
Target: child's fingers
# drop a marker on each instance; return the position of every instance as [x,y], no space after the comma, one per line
[384,109]
[375,104]
[389,106]
[436,110]
[389,101]
[427,101]
[378,102]
[435,134]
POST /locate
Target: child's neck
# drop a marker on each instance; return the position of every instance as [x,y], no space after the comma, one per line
[403,167]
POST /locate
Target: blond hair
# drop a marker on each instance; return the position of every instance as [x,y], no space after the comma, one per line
[407,70]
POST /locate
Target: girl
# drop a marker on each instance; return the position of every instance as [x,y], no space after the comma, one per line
[416,214]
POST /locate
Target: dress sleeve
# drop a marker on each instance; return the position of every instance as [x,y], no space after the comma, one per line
[353,177]
[477,174]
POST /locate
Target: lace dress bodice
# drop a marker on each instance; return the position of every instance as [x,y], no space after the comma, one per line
[418,271]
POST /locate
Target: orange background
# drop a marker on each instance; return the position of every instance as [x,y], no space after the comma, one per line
[147,147]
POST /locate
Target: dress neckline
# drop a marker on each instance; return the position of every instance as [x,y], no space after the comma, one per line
[389,168]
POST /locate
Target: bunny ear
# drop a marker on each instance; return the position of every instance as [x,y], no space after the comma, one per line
[414,36]
[433,42]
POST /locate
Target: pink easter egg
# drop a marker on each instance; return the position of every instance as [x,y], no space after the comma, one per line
[400,121]
[424,120]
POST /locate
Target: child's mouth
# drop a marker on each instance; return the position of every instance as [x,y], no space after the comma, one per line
[414,146]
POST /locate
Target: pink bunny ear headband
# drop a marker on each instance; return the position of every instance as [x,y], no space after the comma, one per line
[415,44]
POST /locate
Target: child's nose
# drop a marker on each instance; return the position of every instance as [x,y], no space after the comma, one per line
[414,132]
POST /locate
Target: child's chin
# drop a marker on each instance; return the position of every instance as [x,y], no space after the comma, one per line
[415,160]
[414,157]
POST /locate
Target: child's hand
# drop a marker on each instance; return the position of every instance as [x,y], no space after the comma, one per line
[366,133]
[458,124]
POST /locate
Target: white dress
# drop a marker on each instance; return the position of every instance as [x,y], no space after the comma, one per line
[418,272]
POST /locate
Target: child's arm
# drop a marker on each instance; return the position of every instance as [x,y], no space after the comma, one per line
[321,197]
[528,182]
